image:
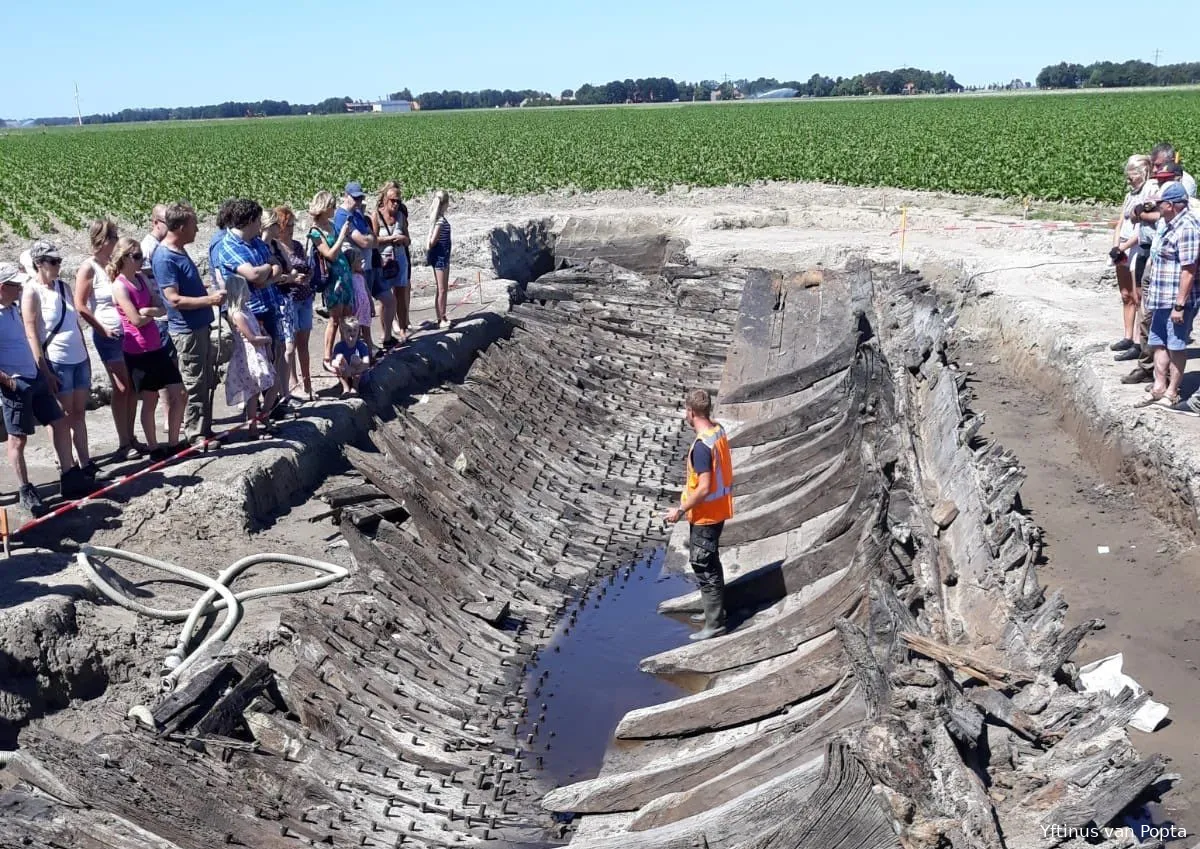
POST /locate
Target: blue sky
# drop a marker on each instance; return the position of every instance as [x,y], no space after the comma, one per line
[124,55]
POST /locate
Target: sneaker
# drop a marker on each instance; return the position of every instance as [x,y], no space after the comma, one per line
[31,501]
[1186,408]
[160,453]
[125,453]
[389,343]
[443,325]
[75,484]
[1121,345]
[1138,375]
[1133,352]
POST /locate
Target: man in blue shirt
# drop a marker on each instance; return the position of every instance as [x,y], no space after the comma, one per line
[189,316]
[363,237]
[243,253]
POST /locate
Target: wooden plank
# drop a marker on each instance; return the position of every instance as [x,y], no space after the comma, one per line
[737,698]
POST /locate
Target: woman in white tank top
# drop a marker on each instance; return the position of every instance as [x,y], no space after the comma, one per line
[56,340]
[94,301]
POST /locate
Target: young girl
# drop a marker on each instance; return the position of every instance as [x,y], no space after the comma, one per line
[362,296]
[438,255]
[250,370]
[150,366]
[351,357]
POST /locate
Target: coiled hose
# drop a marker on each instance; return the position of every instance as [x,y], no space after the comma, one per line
[179,659]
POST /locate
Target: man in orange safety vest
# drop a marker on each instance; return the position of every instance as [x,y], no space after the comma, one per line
[707,501]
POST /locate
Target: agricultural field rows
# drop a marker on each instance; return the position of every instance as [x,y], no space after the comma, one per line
[1054,148]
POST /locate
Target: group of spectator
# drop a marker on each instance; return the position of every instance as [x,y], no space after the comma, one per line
[161,332]
[1155,251]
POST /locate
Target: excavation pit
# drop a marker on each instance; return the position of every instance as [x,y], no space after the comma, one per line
[893,641]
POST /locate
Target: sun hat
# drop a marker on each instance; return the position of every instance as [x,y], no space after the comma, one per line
[43,249]
[10,272]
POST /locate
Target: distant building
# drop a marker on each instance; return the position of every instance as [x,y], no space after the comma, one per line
[392,106]
[379,106]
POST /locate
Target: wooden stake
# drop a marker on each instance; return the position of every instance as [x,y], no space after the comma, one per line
[903,233]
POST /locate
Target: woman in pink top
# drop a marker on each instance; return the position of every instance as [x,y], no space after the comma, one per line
[150,366]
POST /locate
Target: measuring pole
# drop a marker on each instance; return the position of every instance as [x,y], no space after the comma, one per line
[78,114]
[903,233]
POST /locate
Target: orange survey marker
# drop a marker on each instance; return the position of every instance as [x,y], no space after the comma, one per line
[4,528]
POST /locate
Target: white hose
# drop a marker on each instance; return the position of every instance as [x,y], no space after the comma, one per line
[178,659]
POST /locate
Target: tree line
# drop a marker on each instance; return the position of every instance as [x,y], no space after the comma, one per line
[1117,74]
[667,90]
[644,90]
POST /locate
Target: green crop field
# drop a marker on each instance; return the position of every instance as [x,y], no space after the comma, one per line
[1068,147]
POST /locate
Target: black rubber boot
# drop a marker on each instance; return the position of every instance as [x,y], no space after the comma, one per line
[714,614]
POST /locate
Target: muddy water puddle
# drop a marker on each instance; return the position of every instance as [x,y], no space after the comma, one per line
[587,676]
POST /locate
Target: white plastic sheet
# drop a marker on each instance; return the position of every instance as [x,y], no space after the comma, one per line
[1105,676]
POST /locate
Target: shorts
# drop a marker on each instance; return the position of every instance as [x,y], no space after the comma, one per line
[109,350]
[438,258]
[74,377]
[30,402]
[165,334]
[152,371]
[304,315]
[1165,333]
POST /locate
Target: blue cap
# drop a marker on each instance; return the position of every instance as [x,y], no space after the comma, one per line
[1173,192]
[354,189]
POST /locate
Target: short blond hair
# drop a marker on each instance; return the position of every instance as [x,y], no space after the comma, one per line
[699,402]
[350,324]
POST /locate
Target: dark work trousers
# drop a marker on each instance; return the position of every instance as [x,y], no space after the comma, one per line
[706,563]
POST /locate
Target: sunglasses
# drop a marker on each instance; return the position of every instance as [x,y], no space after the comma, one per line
[50,261]
[136,257]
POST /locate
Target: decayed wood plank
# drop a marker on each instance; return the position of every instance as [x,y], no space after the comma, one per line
[672,771]
[778,386]
[970,663]
[807,746]
[843,812]
[798,618]
[739,697]
[750,814]
[834,488]
[774,581]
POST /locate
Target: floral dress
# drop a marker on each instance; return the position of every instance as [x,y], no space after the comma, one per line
[340,290]
[250,370]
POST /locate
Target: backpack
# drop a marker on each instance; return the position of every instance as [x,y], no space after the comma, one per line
[318,276]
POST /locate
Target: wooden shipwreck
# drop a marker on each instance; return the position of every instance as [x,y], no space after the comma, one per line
[896,677]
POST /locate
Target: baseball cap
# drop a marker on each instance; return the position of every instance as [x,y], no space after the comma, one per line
[354,189]
[1169,171]
[1173,192]
[43,249]
[10,272]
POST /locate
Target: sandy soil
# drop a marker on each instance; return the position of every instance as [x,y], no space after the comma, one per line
[1144,588]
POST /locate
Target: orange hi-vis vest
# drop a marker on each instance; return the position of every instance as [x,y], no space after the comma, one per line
[718,504]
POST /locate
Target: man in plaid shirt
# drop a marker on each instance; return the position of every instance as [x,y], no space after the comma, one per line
[1170,297]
